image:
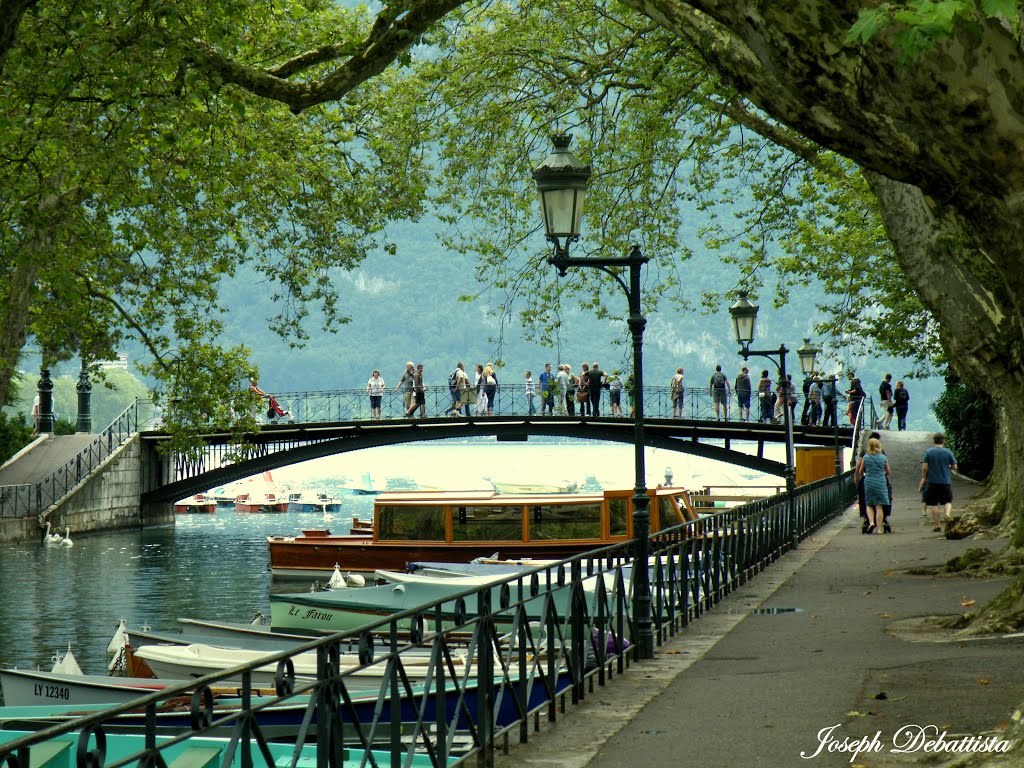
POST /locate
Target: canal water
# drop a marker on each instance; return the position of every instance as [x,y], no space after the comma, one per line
[216,566]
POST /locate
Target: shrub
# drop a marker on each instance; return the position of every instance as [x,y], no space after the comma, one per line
[968,420]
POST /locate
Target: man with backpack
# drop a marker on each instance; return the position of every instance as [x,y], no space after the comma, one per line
[828,396]
[457,381]
[719,390]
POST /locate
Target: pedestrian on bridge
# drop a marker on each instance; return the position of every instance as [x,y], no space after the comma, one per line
[547,385]
[406,384]
[375,387]
[742,389]
[676,392]
[419,394]
[595,381]
[615,393]
[765,398]
[718,388]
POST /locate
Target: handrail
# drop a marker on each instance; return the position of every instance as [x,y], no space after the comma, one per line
[34,498]
[536,640]
[309,406]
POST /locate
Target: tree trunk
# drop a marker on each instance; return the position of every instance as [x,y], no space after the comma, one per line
[934,253]
[14,321]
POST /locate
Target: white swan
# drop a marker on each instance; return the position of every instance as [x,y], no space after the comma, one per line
[67,542]
[51,538]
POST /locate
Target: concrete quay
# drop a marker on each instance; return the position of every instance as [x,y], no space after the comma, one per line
[823,637]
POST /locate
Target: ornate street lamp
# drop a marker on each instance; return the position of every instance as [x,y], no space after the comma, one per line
[744,321]
[562,184]
[808,353]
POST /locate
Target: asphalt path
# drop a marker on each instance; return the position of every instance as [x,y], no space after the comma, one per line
[817,641]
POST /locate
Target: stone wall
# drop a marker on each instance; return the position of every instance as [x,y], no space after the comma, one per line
[107,500]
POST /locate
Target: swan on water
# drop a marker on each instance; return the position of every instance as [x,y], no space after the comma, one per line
[67,542]
[355,580]
[51,538]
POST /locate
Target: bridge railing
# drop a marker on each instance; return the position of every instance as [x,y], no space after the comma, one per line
[33,499]
[456,679]
[509,400]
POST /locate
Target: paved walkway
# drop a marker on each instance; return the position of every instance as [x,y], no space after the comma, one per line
[43,458]
[754,689]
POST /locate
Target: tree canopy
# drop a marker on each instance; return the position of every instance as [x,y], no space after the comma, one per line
[149,150]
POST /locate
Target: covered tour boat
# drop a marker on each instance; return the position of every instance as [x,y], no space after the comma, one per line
[463,525]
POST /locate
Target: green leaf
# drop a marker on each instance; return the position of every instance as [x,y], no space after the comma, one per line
[869,22]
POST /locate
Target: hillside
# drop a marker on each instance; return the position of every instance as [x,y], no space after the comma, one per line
[406,307]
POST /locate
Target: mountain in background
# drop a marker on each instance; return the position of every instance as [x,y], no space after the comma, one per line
[406,307]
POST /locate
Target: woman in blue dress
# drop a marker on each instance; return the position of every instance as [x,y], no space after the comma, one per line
[874,468]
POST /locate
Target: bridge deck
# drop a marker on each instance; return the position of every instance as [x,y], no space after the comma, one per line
[285,444]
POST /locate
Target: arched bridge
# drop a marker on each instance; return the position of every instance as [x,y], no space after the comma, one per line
[279,445]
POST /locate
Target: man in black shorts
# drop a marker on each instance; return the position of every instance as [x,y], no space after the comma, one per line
[936,479]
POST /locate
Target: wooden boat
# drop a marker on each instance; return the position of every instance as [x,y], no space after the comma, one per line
[195,505]
[24,688]
[181,662]
[305,501]
[350,609]
[417,525]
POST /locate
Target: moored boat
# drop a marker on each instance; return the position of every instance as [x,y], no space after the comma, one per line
[313,501]
[25,688]
[181,662]
[266,501]
[416,525]
[199,504]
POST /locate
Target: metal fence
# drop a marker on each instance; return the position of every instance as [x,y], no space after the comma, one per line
[34,498]
[493,662]
[354,404]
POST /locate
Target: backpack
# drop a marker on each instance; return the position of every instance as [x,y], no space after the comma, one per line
[718,380]
[453,378]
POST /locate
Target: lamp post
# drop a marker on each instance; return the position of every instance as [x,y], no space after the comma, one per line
[562,184]
[744,318]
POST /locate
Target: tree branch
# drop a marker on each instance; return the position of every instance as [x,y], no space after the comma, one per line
[388,40]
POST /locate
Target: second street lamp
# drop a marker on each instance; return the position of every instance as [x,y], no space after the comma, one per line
[744,320]
[562,184]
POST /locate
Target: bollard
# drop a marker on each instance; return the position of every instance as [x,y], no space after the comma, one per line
[84,389]
[45,391]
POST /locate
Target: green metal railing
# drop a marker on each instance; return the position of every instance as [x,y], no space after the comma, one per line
[35,498]
[493,661]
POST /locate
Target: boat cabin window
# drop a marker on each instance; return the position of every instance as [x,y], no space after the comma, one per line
[410,522]
[617,512]
[565,521]
[669,513]
[490,523]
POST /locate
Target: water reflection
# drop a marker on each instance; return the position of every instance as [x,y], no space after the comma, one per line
[209,566]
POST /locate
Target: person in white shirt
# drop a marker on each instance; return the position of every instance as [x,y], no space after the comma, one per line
[375,386]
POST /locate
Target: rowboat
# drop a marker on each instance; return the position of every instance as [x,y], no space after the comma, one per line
[23,688]
[439,525]
[350,609]
[195,505]
[199,751]
[181,662]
